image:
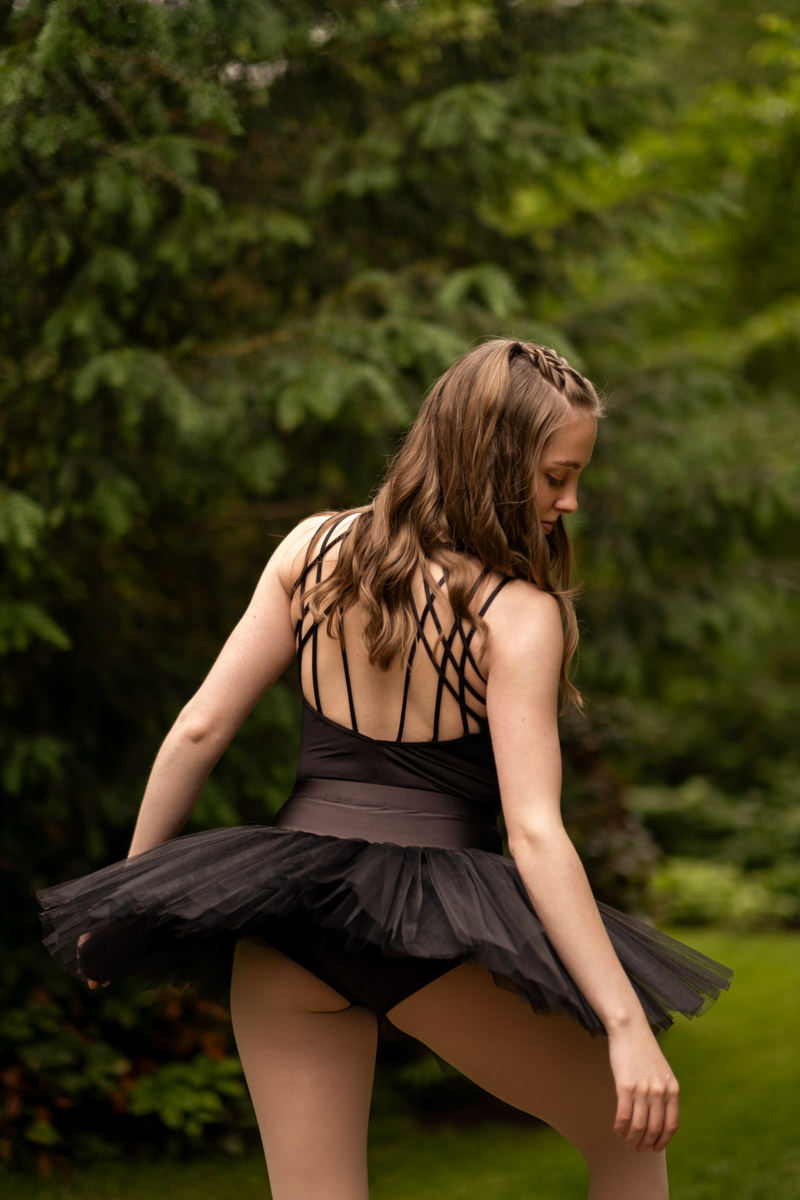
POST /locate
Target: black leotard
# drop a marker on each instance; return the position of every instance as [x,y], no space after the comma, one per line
[431,793]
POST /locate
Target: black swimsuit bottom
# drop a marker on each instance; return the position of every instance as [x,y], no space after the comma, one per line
[365,977]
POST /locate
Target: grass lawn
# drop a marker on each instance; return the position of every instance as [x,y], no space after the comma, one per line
[738,1068]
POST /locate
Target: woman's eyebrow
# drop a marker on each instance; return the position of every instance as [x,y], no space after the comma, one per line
[563,463]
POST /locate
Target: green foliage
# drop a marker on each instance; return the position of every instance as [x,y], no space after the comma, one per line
[239,243]
[732,859]
[188,1096]
[97,1076]
[752,830]
[239,246]
[691,523]
[689,891]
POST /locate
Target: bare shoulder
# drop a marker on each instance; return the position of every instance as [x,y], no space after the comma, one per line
[524,624]
[290,555]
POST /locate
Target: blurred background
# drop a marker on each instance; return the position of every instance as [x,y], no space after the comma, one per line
[239,242]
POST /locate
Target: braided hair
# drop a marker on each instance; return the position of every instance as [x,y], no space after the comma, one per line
[556,371]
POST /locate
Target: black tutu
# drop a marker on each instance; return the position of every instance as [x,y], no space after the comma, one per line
[174,914]
[387,848]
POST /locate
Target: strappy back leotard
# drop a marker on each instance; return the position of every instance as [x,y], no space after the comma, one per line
[433,792]
[382,870]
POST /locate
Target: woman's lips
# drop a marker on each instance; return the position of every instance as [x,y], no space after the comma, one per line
[548,526]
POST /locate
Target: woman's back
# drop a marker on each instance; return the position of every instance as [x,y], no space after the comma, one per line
[434,693]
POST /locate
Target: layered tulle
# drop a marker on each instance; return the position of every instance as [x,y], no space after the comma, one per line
[174,915]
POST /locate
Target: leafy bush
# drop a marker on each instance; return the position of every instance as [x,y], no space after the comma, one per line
[697,819]
[686,891]
[189,1097]
[731,859]
[89,1076]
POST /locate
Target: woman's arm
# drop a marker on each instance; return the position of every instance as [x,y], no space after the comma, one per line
[522,663]
[257,652]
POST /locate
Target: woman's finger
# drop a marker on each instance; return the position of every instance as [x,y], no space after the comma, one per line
[638,1121]
[622,1119]
[656,1108]
[671,1119]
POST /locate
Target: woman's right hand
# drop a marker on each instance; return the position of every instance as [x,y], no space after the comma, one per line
[647,1091]
[91,982]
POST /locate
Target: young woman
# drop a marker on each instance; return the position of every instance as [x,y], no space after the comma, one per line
[433,629]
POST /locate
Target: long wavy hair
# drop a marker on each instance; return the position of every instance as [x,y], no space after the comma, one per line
[462,488]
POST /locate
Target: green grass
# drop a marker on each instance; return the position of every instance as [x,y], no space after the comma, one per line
[738,1069]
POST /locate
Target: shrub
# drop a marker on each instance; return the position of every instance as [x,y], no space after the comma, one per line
[89,1076]
[689,891]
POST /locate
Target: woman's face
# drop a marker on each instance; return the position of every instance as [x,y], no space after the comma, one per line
[564,458]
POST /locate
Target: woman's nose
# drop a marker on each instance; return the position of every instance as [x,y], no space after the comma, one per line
[568,502]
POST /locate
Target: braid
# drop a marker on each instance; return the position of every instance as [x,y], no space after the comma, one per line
[556,371]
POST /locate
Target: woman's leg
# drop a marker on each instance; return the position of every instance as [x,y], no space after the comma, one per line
[309,1058]
[548,1066]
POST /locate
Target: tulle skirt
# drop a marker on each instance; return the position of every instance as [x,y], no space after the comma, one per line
[175,913]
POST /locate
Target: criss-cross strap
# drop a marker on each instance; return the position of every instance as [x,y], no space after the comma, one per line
[420,622]
[452,659]
[448,657]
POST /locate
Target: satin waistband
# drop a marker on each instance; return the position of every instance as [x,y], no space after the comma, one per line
[374,812]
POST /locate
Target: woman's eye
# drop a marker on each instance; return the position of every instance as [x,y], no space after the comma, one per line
[554,482]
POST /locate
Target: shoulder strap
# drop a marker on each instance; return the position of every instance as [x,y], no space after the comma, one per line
[314,563]
[483,611]
[350,700]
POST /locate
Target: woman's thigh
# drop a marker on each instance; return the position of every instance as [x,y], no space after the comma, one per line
[548,1066]
[308,1056]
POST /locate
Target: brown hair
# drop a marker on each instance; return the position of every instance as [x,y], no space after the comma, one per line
[462,485]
